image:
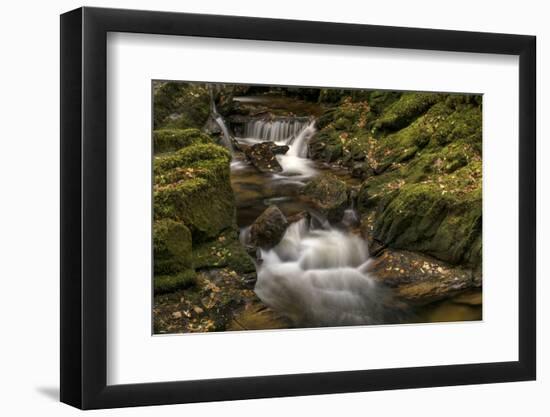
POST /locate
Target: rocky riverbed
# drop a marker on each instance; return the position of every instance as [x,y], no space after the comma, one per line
[242,232]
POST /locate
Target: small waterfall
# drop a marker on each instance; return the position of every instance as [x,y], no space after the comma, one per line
[226,139]
[277,130]
[318,278]
[292,131]
[298,145]
[226,136]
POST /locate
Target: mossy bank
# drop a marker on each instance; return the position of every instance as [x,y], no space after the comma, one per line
[203,277]
[418,156]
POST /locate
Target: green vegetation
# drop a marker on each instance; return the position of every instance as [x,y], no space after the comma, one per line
[168,140]
[420,160]
[194,212]
[172,247]
[192,186]
[417,162]
[180,105]
[169,283]
[225,251]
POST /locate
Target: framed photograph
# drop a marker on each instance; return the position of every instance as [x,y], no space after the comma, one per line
[257,208]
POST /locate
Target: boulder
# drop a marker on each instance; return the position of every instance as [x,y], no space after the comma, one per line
[325,146]
[171,247]
[419,279]
[268,229]
[172,255]
[299,216]
[211,127]
[180,105]
[167,140]
[329,196]
[361,170]
[279,149]
[261,155]
[193,186]
[422,218]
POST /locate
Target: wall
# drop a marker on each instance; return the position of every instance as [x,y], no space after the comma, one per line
[29,213]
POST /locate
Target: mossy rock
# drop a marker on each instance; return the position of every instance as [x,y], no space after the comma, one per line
[193,186]
[329,196]
[326,146]
[224,251]
[425,218]
[330,95]
[262,156]
[379,100]
[195,156]
[172,247]
[419,279]
[180,105]
[268,229]
[168,140]
[405,110]
[168,283]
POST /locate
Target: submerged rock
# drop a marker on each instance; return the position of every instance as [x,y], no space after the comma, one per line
[268,229]
[299,216]
[419,279]
[262,156]
[279,149]
[329,196]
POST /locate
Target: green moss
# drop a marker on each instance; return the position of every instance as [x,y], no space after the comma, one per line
[180,105]
[380,100]
[171,247]
[169,283]
[463,124]
[441,217]
[192,186]
[197,156]
[329,195]
[405,110]
[205,208]
[225,251]
[167,140]
[326,146]
[427,189]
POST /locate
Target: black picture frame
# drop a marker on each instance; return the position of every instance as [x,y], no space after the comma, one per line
[84,207]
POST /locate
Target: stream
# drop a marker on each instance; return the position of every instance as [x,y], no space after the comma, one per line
[317,274]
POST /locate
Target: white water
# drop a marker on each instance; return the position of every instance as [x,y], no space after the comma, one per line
[226,139]
[319,278]
[275,130]
[316,275]
[293,132]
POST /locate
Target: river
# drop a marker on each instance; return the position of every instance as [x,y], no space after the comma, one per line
[318,274]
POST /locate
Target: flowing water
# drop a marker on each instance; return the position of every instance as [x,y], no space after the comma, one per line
[316,275]
[317,278]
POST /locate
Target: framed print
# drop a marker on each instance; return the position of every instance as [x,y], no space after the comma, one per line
[257,208]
